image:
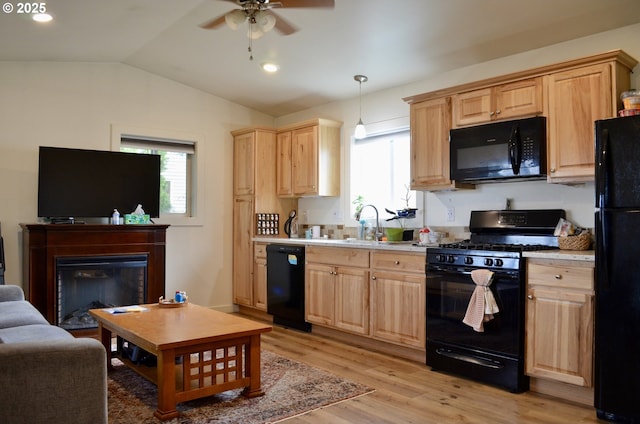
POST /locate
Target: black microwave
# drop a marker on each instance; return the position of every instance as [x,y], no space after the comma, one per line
[500,151]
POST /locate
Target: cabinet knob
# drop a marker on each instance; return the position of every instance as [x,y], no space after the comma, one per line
[397,262]
[498,112]
[491,113]
[530,297]
[558,277]
[373,277]
[553,170]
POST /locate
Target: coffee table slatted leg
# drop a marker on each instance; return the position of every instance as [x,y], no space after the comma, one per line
[166,385]
[252,368]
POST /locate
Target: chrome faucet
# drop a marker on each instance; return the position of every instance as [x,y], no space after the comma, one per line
[378,234]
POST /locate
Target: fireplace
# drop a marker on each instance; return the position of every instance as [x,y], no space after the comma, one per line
[69,267]
[90,282]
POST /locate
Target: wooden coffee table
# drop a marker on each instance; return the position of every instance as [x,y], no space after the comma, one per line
[218,351]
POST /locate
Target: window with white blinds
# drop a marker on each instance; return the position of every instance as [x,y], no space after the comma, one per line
[176,170]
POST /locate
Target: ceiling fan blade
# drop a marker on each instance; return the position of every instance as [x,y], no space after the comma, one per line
[282,25]
[307,3]
[213,23]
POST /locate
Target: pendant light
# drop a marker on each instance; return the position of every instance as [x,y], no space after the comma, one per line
[360,132]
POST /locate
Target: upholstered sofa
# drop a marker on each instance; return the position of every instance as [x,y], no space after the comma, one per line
[46,374]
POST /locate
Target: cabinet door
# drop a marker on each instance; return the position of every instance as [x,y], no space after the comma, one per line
[319,293]
[577,98]
[560,336]
[243,164]
[430,125]
[505,101]
[243,250]
[473,107]
[260,284]
[352,300]
[284,185]
[520,98]
[398,308]
[304,154]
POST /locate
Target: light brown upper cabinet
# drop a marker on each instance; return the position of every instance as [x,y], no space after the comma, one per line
[430,125]
[571,95]
[308,159]
[504,101]
[577,98]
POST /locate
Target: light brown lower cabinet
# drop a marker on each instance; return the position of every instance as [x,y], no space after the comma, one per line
[260,276]
[559,323]
[337,288]
[338,297]
[383,301]
[398,290]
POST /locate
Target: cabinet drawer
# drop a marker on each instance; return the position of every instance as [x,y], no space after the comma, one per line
[259,250]
[395,261]
[553,274]
[337,256]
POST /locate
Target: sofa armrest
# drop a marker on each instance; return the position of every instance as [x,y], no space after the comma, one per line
[9,293]
[61,381]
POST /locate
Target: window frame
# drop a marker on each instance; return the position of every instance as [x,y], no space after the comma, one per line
[197,194]
[374,129]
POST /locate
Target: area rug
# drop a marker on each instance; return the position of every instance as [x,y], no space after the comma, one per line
[291,388]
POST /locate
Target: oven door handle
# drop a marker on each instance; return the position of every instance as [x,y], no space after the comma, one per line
[466,271]
[484,362]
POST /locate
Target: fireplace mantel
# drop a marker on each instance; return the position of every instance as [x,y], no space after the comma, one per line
[44,243]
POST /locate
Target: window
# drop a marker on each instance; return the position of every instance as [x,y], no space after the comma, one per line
[380,171]
[176,170]
[182,196]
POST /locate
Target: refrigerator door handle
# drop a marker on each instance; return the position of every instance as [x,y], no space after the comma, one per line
[601,251]
[603,169]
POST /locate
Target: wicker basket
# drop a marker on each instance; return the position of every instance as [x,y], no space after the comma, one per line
[579,242]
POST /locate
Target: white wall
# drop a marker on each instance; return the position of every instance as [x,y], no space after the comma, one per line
[74,105]
[387,106]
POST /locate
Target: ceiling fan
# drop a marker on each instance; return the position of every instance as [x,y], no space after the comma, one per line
[261,17]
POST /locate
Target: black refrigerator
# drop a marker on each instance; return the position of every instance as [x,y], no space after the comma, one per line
[617,310]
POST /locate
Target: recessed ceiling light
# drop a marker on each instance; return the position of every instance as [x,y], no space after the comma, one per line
[270,67]
[42,17]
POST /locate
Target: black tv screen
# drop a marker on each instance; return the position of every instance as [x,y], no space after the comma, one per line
[92,183]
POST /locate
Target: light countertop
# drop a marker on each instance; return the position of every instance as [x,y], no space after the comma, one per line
[570,255]
[399,246]
[412,246]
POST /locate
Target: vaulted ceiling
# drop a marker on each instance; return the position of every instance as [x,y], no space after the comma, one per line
[393,42]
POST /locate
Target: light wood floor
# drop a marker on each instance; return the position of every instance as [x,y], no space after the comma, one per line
[409,392]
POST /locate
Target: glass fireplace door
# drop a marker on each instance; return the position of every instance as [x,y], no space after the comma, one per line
[85,283]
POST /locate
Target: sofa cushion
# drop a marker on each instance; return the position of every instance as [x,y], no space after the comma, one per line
[19,312]
[33,333]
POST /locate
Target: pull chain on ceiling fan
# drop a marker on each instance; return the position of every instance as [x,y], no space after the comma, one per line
[261,18]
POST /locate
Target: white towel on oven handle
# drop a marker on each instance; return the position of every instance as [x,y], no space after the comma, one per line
[482,304]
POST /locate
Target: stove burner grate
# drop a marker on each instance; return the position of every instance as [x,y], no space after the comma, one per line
[500,247]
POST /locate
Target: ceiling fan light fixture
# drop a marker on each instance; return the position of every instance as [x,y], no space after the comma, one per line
[254,32]
[265,21]
[360,131]
[235,18]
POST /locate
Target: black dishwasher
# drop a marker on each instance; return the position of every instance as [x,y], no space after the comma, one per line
[285,285]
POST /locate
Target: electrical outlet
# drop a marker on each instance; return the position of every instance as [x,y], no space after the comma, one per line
[451,214]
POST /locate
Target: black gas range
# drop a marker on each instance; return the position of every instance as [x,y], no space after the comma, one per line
[498,238]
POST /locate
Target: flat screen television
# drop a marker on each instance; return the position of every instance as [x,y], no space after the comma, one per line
[77,183]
